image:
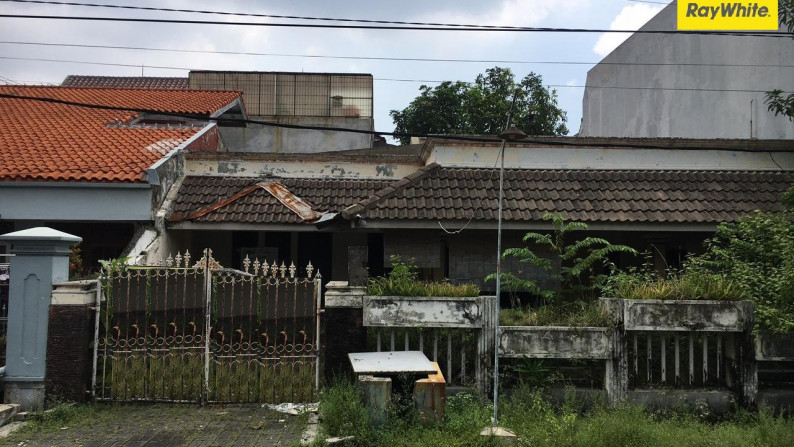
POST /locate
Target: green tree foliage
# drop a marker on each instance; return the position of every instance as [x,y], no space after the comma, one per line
[757,252]
[576,260]
[777,101]
[481,108]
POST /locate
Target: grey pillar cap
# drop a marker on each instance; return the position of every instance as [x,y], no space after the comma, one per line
[40,234]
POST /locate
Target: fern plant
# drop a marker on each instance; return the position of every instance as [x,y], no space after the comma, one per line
[577,260]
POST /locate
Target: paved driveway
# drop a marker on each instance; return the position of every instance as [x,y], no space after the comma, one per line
[168,425]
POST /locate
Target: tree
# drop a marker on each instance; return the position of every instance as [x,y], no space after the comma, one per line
[481,108]
[776,100]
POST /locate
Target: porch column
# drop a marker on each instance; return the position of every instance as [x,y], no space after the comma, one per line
[42,258]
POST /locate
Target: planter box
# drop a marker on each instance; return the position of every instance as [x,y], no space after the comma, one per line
[686,315]
[439,312]
[555,342]
[773,347]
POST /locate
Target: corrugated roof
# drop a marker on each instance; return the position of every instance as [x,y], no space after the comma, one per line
[455,194]
[149,82]
[43,141]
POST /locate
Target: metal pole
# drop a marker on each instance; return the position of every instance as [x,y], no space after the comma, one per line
[97,316]
[499,268]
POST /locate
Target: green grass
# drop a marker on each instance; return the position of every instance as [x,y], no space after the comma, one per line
[537,423]
[578,314]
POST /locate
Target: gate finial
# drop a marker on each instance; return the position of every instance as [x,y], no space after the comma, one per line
[283,269]
[309,270]
[246,264]
[292,270]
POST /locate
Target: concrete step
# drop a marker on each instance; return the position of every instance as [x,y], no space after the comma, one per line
[7,412]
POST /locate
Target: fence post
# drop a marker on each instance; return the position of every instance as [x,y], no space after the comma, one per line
[483,366]
[748,367]
[616,377]
[70,358]
[42,258]
[343,328]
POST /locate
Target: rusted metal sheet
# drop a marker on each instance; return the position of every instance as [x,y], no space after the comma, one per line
[393,362]
[402,311]
[291,201]
[277,190]
[555,342]
[686,315]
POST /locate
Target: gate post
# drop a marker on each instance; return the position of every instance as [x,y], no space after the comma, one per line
[343,319]
[42,258]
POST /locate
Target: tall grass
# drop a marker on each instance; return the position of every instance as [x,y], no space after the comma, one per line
[538,423]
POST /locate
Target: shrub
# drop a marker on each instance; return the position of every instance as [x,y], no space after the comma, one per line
[578,260]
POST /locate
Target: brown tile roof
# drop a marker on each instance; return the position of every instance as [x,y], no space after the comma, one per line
[587,195]
[150,82]
[44,141]
[439,193]
[259,206]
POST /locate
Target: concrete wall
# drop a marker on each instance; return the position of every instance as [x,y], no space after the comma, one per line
[713,101]
[258,138]
[76,202]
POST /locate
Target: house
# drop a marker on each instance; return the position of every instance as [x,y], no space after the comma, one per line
[96,162]
[688,85]
[437,203]
[293,108]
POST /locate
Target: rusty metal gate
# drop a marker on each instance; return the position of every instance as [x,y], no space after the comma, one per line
[200,332]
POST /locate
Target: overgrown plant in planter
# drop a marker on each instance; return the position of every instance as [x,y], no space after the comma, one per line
[403,280]
[573,262]
[749,259]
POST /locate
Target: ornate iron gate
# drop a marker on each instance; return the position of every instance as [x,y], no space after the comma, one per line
[201,332]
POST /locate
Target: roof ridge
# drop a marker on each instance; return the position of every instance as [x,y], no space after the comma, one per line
[388,191]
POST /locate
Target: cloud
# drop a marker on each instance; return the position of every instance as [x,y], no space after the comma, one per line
[631,17]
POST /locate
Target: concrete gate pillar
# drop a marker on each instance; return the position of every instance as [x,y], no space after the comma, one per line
[42,258]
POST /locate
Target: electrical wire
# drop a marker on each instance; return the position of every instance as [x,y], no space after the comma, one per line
[382,58]
[540,141]
[428,81]
[771,34]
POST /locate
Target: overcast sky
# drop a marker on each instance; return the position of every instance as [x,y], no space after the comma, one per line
[394,85]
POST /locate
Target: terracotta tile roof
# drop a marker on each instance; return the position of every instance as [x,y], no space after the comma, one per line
[259,206]
[586,195]
[150,82]
[43,141]
[438,193]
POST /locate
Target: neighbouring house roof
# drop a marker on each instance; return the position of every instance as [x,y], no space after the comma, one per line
[437,193]
[242,200]
[150,82]
[46,141]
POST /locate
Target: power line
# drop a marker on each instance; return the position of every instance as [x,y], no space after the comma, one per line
[775,34]
[377,58]
[427,81]
[601,144]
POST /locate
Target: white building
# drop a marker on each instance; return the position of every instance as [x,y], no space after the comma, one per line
[689,86]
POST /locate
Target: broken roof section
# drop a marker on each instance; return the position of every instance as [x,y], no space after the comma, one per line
[216,199]
[43,140]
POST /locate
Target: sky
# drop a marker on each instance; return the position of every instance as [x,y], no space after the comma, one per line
[396,82]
